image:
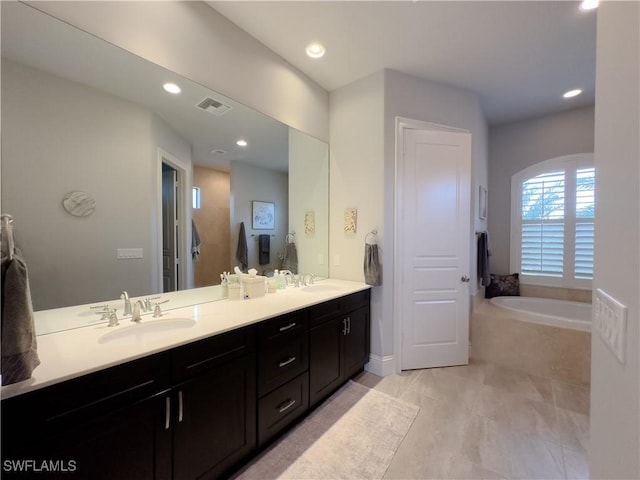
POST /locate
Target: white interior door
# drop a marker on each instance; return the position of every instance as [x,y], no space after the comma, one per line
[434,237]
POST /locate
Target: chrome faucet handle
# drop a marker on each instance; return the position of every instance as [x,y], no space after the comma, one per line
[104,312]
[147,303]
[157,312]
[113,319]
[312,279]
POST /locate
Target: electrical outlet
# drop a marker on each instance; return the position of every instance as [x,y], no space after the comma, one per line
[610,321]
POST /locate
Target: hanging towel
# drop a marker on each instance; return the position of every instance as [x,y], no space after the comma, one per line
[264,249]
[483,258]
[290,260]
[19,348]
[372,267]
[195,242]
[242,252]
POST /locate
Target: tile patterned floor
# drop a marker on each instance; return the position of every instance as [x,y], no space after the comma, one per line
[482,421]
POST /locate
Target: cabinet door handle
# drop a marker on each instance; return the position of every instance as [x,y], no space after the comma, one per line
[348,324]
[167,413]
[286,362]
[344,326]
[288,327]
[283,407]
[180,407]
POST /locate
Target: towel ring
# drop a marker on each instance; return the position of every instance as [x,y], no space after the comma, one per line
[373,233]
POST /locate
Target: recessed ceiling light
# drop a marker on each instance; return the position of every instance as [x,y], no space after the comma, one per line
[572,93]
[315,50]
[587,5]
[172,88]
[241,143]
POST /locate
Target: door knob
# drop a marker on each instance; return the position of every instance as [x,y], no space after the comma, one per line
[465,279]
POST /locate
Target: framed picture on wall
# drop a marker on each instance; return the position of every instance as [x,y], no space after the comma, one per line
[264,216]
[482,203]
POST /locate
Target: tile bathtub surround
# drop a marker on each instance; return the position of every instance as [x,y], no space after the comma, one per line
[488,421]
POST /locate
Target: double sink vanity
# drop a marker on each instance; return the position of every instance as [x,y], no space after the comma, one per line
[195,393]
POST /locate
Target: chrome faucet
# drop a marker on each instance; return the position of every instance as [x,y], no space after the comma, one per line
[311,277]
[127,303]
[136,311]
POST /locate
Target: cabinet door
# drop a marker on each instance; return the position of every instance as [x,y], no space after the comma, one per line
[129,443]
[214,422]
[356,342]
[325,359]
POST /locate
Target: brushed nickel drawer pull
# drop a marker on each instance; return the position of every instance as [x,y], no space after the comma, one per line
[167,413]
[180,407]
[288,327]
[283,407]
[287,362]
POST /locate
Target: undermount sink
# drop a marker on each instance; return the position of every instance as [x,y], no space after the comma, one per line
[144,332]
[319,288]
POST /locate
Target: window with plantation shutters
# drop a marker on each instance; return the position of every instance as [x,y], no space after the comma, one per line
[552,225]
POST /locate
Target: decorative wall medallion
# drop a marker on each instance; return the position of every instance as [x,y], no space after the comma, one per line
[79,204]
[309,223]
[350,220]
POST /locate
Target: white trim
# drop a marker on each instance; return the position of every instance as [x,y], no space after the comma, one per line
[185,268]
[403,123]
[381,366]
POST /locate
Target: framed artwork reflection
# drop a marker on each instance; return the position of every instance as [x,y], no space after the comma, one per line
[263,216]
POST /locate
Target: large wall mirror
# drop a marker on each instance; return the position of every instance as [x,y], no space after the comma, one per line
[83,117]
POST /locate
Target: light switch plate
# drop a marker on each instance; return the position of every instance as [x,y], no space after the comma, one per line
[610,321]
[128,253]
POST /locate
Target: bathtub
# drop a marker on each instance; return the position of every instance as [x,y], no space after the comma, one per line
[545,311]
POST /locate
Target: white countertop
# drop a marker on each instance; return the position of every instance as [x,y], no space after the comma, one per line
[72,353]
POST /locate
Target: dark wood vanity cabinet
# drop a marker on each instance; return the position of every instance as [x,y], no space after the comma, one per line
[283,378]
[339,342]
[184,414]
[196,411]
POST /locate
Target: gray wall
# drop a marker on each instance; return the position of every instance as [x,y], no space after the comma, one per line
[615,399]
[59,136]
[249,183]
[516,146]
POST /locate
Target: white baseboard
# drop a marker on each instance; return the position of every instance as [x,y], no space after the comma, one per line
[381,366]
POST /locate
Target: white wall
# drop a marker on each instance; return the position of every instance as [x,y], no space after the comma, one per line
[309,186]
[615,388]
[362,142]
[193,40]
[59,136]
[516,146]
[249,183]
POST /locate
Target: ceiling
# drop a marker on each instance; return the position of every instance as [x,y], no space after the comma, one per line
[518,56]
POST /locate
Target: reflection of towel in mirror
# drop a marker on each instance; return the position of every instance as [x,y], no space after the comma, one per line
[19,354]
[242,252]
[372,267]
[195,242]
[263,249]
[290,260]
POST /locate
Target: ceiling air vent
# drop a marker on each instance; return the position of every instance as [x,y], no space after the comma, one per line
[213,106]
[218,151]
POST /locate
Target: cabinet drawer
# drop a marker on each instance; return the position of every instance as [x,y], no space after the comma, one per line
[325,311]
[281,407]
[284,326]
[279,362]
[198,357]
[357,300]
